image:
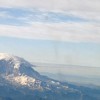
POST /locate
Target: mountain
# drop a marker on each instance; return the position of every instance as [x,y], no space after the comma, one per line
[19,81]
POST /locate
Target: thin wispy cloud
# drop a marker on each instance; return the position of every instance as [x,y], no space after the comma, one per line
[85,8]
[38,15]
[61,20]
[73,32]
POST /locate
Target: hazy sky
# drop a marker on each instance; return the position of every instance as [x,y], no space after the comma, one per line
[52,31]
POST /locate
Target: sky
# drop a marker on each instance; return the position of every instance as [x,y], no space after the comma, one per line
[51,31]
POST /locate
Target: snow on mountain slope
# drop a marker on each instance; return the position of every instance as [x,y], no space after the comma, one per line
[10,64]
[18,71]
[16,61]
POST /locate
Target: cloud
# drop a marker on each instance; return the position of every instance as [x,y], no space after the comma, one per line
[37,15]
[72,32]
[87,30]
[4,14]
[88,9]
[83,5]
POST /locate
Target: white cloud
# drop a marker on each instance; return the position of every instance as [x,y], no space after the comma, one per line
[83,5]
[89,16]
[88,9]
[73,32]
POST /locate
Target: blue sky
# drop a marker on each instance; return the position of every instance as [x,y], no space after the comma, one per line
[52,31]
[47,51]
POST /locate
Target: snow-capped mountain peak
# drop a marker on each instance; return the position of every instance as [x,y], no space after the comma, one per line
[15,66]
[5,56]
[18,71]
[19,81]
[14,62]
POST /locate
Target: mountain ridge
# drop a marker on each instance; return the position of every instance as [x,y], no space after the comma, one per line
[18,81]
